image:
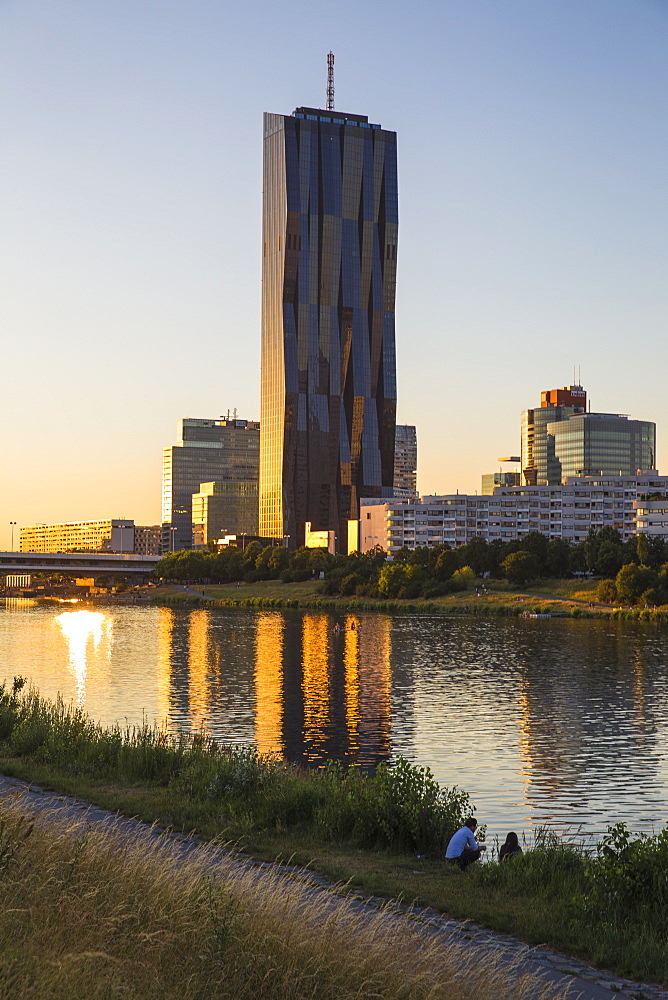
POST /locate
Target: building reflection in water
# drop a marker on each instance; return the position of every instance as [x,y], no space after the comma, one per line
[83,630]
[287,682]
[269,645]
[336,690]
[198,669]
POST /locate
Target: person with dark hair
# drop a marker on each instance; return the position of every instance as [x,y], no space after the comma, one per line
[463,849]
[510,847]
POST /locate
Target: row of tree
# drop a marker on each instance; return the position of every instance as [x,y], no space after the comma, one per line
[631,568]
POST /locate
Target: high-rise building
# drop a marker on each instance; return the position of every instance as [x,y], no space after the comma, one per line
[561,439]
[555,404]
[405,460]
[330,220]
[224,509]
[222,451]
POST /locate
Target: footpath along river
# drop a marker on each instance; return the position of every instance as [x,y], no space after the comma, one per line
[544,722]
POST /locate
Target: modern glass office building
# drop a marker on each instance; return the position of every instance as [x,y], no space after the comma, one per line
[330,217]
[222,451]
[600,444]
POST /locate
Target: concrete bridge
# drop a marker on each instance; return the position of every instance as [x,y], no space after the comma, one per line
[80,564]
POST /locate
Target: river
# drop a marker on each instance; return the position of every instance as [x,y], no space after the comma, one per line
[553,722]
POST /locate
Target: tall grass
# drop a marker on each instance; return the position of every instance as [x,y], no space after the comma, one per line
[86,916]
[398,808]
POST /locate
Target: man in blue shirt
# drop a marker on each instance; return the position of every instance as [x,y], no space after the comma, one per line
[463,849]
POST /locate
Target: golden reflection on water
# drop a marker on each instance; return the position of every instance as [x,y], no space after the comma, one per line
[82,629]
[351,664]
[375,687]
[315,680]
[198,667]
[269,643]
[166,619]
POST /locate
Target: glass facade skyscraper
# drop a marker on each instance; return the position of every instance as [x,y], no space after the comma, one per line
[222,451]
[560,438]
[330,219]
[601,444]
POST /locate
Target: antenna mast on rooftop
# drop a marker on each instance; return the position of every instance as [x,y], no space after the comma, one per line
[330,81]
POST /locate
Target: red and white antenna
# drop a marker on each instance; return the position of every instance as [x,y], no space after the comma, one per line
[330,81]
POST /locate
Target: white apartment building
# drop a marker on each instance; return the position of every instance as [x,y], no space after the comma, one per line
[566,511]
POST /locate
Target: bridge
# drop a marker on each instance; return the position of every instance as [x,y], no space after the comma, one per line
[80,564]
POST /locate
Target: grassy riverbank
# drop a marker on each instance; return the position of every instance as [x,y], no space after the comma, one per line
[572,598]
[91,918]
[607,909]
[498,598]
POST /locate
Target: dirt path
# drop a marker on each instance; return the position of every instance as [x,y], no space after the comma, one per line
[571,975]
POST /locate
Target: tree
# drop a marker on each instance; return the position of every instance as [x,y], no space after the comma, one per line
[536,543]
[632,580]
[606,592]
[557,557]
[392,577]
[447,562]
[520,567]
[609,558]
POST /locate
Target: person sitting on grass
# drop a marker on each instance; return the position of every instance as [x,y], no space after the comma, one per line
[510,847]
[463,849]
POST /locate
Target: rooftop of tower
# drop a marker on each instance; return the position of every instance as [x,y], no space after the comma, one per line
[333,117]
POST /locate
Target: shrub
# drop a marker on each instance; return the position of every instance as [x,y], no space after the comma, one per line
[606,592]
[402,807]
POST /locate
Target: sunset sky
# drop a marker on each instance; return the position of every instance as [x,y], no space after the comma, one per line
[533,238]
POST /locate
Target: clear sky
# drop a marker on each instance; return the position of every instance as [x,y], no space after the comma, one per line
[533,238]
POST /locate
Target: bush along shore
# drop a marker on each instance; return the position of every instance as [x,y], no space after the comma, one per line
[606,905]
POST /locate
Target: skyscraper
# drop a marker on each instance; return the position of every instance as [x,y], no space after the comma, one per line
[405,460]
[562,439]
[207,451]
[330,219]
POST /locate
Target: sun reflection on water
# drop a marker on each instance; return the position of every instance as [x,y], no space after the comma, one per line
[82,629]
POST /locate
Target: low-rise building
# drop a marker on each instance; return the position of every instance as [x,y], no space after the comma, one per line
[113,535]
[567,511]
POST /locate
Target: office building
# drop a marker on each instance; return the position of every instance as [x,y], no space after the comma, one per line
[330,219]
[113,535]
[555,405]
[223,509]
[405,461]
[600,444]
[206,451]
[567,511]
[148,540]
[493,479]
[560,439]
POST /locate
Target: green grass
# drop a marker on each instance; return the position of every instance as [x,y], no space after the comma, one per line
[500,598]
[134,920]
[609,910]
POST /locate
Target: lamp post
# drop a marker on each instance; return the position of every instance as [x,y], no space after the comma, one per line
[12,524]
[243,541]
[286,541]
[172,530]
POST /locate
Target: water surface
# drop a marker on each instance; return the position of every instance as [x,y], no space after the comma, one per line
[542,721]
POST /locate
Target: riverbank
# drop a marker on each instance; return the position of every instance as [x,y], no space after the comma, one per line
[367,831]
[553,598]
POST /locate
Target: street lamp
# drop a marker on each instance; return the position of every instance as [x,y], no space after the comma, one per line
[243,541]
[172,530]
[12,524]
[286,541]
